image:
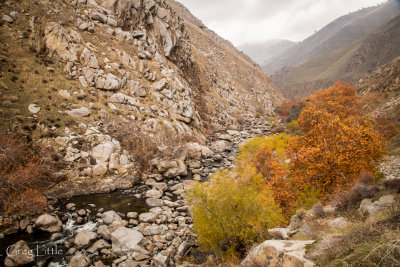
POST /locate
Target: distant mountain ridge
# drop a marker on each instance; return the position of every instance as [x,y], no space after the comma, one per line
[343,50]
[262,52]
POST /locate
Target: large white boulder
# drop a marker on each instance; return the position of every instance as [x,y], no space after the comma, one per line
[84,239]
[48,223]
[125,241]
[278,253]
[110,216]
[19,254]
[101,153]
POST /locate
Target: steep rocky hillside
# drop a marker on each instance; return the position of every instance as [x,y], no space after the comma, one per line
[384,83]
[72,72]
[230,80]
[263,52]
[344,50]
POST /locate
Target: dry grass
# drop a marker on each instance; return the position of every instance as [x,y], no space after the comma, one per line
[144,147]
[24,177]
[373,243]
[364,188]
[392,185]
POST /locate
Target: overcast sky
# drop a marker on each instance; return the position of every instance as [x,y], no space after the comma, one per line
[242,21]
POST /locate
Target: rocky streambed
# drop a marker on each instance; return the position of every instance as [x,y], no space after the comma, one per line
[146,225]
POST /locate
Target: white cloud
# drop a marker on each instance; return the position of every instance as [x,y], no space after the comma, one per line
[242,21]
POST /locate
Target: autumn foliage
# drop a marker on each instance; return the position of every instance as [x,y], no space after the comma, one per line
[230,214]
[290,109]
[333,146]
[276,180]
[23,177]
[337,145]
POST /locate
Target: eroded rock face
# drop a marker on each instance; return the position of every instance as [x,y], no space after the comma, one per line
[59,42]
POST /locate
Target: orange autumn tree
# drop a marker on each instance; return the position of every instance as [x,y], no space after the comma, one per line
[275,177]
[338,143]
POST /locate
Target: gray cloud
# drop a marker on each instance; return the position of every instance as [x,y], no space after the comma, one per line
[242,21]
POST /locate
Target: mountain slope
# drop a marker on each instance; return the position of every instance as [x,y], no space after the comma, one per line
[228,75]
[347,64]
[308,63]
[83,77]
[384,84]
[343,31]
[265,51]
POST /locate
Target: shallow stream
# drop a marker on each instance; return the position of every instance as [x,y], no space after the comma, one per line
[53,252]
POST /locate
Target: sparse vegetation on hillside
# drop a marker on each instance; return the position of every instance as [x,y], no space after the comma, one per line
[144,147]
[371,243]
[23,177]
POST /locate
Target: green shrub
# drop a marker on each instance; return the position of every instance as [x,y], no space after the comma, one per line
[231,214]
[249,150]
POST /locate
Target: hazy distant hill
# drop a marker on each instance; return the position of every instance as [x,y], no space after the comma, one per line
[344,50]
[262,52]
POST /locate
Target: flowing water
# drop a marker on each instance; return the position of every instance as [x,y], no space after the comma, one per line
[53,252]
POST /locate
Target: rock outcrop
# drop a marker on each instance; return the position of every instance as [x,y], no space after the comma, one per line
[279,253]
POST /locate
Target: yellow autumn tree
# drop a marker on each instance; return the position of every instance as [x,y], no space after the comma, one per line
[232,211]
[338,143]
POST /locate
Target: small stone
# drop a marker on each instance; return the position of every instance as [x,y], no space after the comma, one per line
[132,215]
[82,212]
[99,17]
[110,217]
[79,260]
[84,26]
[99,170]
[78,112]
[154,202]
[14,15]
[104,232]
[158,86]
[147,217]
[7,18]
[64,93]
[153,193]
[71,206]
[160,260]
